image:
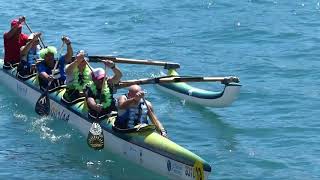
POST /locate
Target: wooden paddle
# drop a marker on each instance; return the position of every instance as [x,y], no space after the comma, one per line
[95,138]
[43,103]
[155,120]
[43,46]
[166,65]
[175,79]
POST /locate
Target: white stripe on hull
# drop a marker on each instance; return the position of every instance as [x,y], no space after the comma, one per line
[139,155]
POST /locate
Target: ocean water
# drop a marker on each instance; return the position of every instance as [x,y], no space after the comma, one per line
[270,132]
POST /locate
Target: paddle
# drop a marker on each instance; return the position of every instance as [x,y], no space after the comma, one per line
[95,138]
[43,46]
[154,119]
[175,79]
[43,103]
[166,65]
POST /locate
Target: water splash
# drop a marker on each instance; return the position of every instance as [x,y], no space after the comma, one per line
[40,125]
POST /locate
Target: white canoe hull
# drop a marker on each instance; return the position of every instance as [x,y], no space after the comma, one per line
[228,96]
[147,158]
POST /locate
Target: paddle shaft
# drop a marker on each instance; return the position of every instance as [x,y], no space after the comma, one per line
[166,65]
[175,79]
[153,117]
[43,46]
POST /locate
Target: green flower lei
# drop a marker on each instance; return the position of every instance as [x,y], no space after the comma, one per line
[106,95]
[86,78]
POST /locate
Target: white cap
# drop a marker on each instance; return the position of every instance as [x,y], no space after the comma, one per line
[31,36]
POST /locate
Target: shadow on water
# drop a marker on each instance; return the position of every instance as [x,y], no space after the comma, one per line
[221,130]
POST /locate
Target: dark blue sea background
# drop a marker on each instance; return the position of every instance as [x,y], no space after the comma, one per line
[270,132]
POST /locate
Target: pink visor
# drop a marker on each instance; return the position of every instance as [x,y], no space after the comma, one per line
[98,74]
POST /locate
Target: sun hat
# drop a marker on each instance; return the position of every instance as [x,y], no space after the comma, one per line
[98,73]
[86,56]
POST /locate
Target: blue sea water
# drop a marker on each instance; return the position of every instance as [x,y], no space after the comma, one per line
[270,132]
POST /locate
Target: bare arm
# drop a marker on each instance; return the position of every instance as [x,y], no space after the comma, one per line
[69,54]
[70,67]
[116,71]
[25,49]
[93,105]
[124,103]
[117,75]
[45,76]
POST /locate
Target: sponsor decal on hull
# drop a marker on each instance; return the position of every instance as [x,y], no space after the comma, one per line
[174,168]
[21,90]
[58,113]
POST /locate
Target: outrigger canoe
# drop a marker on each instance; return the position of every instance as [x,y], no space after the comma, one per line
[182,90]
[144,146]
[217,99]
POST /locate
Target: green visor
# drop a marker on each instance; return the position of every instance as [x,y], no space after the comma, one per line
[49,49]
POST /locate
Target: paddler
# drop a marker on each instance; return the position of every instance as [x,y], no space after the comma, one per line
[133,111]
[100,99]
[13,40]
[48,64]
[29,54]
[78,77]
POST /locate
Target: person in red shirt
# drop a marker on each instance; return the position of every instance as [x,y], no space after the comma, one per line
[13,41]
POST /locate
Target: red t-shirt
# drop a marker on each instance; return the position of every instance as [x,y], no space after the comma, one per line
[12,48]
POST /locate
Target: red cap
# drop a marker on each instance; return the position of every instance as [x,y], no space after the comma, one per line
[15,23]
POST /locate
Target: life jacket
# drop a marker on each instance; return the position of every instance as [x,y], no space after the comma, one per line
[133,116]
[25,69]
[80,81]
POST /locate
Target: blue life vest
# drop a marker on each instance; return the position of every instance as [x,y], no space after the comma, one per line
[133,116]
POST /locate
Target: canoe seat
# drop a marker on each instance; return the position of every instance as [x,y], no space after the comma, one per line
[70,103]
[57,88]
[26,77]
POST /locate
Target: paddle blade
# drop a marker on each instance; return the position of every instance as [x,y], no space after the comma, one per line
[95,138]
[43,105]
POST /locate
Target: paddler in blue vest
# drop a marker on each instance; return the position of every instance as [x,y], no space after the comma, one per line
[100,99]
[48,64]
[133,111]
[29,54]
[78,75]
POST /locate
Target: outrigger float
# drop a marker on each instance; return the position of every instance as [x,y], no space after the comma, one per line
[184,91]
[143,146]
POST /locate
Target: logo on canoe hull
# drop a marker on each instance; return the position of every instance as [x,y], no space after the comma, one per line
[169,165]
[174,167]
[22,90]
[58,113]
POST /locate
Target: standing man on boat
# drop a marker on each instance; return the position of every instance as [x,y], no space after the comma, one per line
[48,64]
[78,77]
[100,99]
[13,40]
[133,110]
[29,54]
